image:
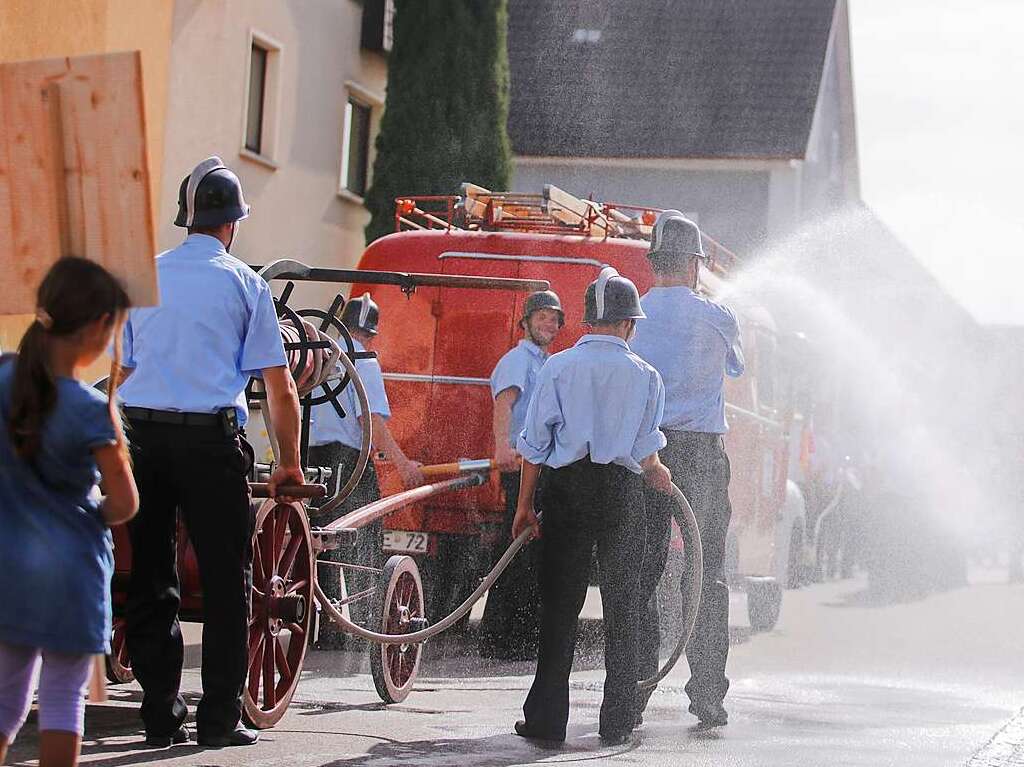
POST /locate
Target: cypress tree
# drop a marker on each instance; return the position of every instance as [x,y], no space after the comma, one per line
[445,117]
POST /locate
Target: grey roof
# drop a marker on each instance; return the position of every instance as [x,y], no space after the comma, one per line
[665,78]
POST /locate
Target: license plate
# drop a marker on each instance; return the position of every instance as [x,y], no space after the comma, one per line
[406,541]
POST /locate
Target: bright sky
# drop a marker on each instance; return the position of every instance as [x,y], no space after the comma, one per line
[940,120]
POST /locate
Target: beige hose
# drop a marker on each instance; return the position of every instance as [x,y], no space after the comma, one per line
[693,580]
[364,446]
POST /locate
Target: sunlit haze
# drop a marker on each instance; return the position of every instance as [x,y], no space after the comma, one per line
[939,119]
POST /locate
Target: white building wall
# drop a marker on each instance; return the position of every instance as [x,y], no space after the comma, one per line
[297,210]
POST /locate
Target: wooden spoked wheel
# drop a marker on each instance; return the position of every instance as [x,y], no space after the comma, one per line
[399,603]
[282,602]
[119,665]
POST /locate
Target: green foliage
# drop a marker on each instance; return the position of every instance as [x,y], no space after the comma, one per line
[447,104]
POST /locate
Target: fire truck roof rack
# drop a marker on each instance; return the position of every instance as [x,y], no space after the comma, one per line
[554,211]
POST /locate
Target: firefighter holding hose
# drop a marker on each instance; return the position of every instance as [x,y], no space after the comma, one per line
[592,425]
[334,442]
[510,624]
[693,343]
[187,363]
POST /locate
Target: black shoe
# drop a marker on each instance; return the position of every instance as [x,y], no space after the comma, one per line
[616,738]
[525,732]
[240,736]
[178,737]
[710,715]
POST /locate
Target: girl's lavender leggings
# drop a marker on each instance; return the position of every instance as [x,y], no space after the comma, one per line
[62,686]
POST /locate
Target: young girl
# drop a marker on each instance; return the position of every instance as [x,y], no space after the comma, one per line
[57,437]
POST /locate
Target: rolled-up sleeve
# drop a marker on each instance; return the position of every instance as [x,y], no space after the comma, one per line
[543,417]
[729,327]
[262,346]
[649,439]
[373,382]
[510,373]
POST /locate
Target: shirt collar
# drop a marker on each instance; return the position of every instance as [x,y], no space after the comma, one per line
[592,337]
[204,244]
[686,291]
[532,348]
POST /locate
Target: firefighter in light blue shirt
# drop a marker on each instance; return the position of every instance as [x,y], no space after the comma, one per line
[593,425]
[694,343]
[334,442]
[510,622]
[188,361]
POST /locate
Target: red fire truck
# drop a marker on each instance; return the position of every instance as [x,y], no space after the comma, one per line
[438,347]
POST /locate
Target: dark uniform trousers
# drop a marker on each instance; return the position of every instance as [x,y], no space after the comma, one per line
[369,544]
[586,504]
[511,619]
[700,469]
[200,472]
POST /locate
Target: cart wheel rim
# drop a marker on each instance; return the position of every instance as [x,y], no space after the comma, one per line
[119,664]
[400,605]
[282,590]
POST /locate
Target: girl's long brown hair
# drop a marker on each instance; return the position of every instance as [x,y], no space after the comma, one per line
[74,293]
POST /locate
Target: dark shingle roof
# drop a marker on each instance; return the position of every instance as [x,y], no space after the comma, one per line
[665,78]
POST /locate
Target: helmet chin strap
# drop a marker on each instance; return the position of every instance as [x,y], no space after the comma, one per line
[231,240]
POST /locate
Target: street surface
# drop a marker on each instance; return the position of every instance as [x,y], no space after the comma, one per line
[838,682]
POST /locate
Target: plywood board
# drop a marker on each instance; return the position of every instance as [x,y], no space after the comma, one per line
[73,174]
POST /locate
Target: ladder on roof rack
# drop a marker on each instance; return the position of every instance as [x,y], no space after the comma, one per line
[554,211]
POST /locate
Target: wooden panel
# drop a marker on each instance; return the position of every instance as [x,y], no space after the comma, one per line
[73,174]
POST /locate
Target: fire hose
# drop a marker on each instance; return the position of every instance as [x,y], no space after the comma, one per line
[692,576]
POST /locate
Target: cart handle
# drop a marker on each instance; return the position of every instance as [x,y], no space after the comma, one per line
[262,490]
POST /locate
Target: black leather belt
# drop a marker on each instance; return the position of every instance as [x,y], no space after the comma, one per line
[174,417]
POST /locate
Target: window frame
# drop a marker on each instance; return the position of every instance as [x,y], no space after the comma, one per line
[256,144]
[270,113]
[357,96]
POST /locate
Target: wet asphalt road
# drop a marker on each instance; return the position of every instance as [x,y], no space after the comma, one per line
[839,681]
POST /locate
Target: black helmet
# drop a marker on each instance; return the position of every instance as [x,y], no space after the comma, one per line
[210,195]
[361,314]
[611,298]
[544,299]
[674,238]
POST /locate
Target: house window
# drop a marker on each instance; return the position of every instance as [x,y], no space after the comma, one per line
[355,151]
[378,21]
[258,57]
[262,87]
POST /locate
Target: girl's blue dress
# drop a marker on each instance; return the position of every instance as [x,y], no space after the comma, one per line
[56,558]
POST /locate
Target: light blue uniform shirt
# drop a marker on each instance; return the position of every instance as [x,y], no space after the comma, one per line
[54,546]
[327,426]
[693,342]
[518,370]
[598,399]
[215,327]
